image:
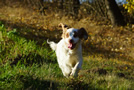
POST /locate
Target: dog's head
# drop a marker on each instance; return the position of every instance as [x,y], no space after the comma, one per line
[73,36]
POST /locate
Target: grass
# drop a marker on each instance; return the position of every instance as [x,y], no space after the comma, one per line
[26,65]
[103,38]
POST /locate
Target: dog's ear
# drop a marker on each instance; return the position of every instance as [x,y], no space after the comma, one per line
[83,34]
[64,27]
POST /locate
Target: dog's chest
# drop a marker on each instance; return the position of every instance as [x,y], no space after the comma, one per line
[71,59]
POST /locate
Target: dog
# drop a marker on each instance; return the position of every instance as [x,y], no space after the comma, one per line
[69,50]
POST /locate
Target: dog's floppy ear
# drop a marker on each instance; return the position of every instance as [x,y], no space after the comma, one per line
[64,27]
[83,34]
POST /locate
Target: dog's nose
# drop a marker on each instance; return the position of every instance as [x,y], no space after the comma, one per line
[71,41]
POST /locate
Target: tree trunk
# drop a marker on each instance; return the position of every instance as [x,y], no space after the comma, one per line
[76,6]
[41,7]
[114,13]
[72,7]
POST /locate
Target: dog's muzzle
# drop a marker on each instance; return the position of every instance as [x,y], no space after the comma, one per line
[71,44]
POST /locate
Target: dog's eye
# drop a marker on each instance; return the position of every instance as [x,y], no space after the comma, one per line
[75,34]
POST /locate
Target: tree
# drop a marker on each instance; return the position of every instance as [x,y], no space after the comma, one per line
[129,6]
[114,13]
[71,7]
[76,5]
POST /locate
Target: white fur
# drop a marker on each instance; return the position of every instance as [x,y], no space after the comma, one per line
[69,60]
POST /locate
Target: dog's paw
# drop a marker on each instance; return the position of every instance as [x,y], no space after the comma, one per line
[73,74]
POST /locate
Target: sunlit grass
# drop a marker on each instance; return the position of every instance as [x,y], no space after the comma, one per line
[26,65]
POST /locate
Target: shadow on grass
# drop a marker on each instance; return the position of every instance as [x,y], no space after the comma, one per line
[38,34]
[29,82]
[36,84]
[32,32]
[31,59]
[80,85]
[32,84]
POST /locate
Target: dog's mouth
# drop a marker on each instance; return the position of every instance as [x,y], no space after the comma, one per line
[71,45]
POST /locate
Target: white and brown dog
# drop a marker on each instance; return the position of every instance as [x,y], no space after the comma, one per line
[69,50]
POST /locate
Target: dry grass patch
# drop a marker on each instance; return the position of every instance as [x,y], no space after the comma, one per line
[103,39]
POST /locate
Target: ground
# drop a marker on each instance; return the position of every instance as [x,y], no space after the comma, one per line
[28,63]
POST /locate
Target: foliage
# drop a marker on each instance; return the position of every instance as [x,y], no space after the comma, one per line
[59,8]
[129,6]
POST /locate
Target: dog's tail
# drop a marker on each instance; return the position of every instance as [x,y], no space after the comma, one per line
[53,45]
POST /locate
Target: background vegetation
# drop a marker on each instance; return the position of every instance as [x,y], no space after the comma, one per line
[26,61]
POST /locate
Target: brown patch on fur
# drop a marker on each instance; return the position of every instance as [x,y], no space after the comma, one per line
[67,35]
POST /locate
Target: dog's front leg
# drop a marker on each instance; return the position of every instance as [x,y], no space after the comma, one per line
[76,69]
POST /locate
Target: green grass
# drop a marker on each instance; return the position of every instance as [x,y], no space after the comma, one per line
[26,65]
